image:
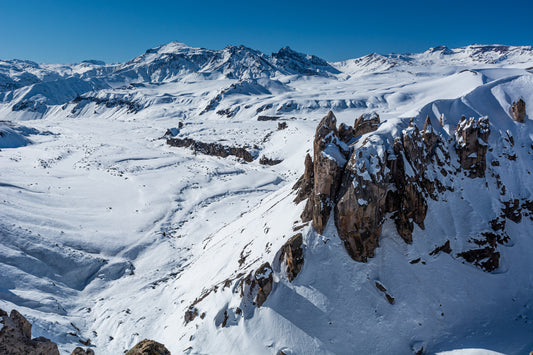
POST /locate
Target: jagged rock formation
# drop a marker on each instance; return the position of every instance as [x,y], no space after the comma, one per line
[148,347]
[363,181]
[472,141]
[292,254]
[328,163]
[213,149]
[518,110]
[15,337]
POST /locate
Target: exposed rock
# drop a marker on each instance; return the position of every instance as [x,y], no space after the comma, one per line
[472,141]
[518,110]
[229,112]
[80,351]
[264,279]
[268,161]
[361,206]
[382,288]
[264,107]
[346,133]
[282,126]
[366,123]
[305,184]
[268,118]
[487,258]
[329,160]
[213,149]
[109,102]
[383,175]
[148,347]
[190,314]
[15,337]
[445,248]
[292,254]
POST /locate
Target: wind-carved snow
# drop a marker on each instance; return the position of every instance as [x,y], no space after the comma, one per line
[108,233]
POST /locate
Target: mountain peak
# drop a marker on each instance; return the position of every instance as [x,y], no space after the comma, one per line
[171,47]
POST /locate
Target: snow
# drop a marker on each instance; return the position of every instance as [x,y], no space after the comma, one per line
[104,226]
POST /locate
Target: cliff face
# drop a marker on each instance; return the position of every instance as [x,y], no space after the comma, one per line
[363,177]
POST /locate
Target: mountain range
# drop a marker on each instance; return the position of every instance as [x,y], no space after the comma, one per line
[232,201]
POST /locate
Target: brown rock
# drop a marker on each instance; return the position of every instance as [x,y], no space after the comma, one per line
[305,184]
[346,133]
[264,279]
[148,347]
[190,314]
[366,123]
[269,161]
[329,161]
[361,207]
[518,110]
[292,253]
[15,337]
[471,144]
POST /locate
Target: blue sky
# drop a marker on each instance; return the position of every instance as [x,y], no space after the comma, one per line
[70,31]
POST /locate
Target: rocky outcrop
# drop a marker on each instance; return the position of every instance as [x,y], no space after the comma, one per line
[264,279]
[269,161]
[268,118]
[518,110]
[15,337]
[214,149]
[472,138]
[293,256]
[366,123]
[363,181]
[148,347]
[305,184]
[328,165]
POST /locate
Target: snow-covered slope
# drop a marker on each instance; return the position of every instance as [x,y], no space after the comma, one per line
[108,233]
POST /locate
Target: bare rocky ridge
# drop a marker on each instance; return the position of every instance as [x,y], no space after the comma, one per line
[214,149]
[362,179]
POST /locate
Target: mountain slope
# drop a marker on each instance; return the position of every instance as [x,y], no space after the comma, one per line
[108,233]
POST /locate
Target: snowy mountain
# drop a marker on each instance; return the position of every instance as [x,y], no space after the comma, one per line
[230,201]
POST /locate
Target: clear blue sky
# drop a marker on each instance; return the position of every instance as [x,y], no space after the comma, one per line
[71,31]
